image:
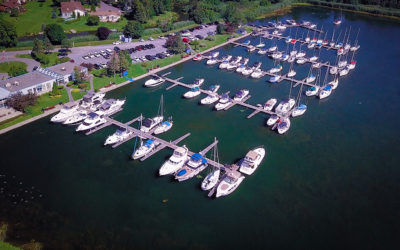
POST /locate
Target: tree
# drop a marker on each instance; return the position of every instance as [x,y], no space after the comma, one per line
[220,28]
[124,62]
[199,14]
[133,29]
[113,65]
[165,25]
[103,33]
[158,6]
[139,12]
[8,34]
[78,75]
[66,44]
[195,44]
[14,12]
[55,33]
[47,46]
[20,102]
[37,47]
[93,20]
[175,44]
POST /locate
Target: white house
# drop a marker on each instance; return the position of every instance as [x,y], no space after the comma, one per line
[68,8]
[107,13]
[64,72]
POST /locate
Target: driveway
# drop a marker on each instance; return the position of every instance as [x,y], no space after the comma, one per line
[10,57]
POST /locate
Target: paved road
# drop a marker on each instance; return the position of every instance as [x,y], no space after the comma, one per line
[11,58]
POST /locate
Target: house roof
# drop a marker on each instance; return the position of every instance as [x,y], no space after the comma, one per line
[71,6]
[64,69]
[11,4]
[27,80]
[4,93]
[106,10]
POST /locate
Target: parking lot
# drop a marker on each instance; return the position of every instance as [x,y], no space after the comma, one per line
[99,54]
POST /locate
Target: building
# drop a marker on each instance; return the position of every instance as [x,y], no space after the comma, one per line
[107,13]
[8,5]
[32,82]
[68,8]
[64,72]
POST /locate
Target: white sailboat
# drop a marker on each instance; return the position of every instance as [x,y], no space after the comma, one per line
[213,177]
[300,108]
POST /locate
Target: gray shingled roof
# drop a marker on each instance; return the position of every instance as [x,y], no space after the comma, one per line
[24,81]
[64,68]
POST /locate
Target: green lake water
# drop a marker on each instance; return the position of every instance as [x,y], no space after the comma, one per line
[331,182]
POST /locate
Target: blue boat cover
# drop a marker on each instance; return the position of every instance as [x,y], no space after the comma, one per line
[196,157]
[212,87]
[195,89]
[302,106]
[328,87]
[312,88]
[166,123]
[204,161]
[239,93]
[182,172]
[224,96]
[92,115]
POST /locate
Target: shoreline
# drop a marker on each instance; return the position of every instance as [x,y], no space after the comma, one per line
[105,90]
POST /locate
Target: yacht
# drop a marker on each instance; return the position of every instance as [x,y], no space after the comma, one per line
[175,162]
[193,92]
[224,102]
[164,127]
[269,105]
[197,82]
[291,73]
[215,54]
[95,105]
[80,116]
[247,71]
[272,120]
[334,83]
[92,121]
[234,63]
[272,49]
[285,106]
[211,98]
[154,81]
[299,110]
[252,160]
[342,64]
[240,95]
[224,64]
[325,92]
[212,61]
[274,78]
[149,123]
[194,166]
[262,52]
[211,179]
[283,125]
[144,149]
[257,73]
[276,69]
[119,135]
[242,65]
[310,78]
[312,91]
[110,106]
[213,89]
[91,97]
[67,111]
[313,58]
[230,181]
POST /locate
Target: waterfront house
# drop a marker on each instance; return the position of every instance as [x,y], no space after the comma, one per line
[68,9]
[107,13]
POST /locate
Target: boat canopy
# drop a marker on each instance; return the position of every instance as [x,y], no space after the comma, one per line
[120,130]
[105,106]
[251,155]
[239,93]
[148,143]
[195,89]
[196,157]
[224,96]
[212,87]
[181,172]
[312,88]
[92,115]
[302,106]
[203,160]
[147,122]
[166,123]
[328,87]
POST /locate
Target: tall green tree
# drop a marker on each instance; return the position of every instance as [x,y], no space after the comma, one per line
[66,44]
[133,29]
[47,46]
[158,6]
[37,47]
[55,33]
[139,12]
[175,44]
[8,34]
[113,65]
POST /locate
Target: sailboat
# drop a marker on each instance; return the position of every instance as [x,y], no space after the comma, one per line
[310,78]
[145,147]
[149,123]
[260,44]
[212,178]
[314,89]
[286,104]
[301,108]
[326,90]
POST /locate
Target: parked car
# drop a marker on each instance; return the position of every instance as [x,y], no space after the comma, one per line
[109,50]
[63,54]
[117,49]
[199,37]
[151,39]
[141,40]
[185,40]
[116,43]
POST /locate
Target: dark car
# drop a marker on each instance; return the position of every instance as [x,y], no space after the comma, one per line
[150,57]
[198,27]
[148,46]
[161,55]
[210,33]
[117,49]
[199,37]
[191,30]
[63,54]
[96,66]
[138,48]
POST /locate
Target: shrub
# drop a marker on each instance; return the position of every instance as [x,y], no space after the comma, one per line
[103,33]
[93,20]
[14,12]
[83,85]
[20,102]
[210,38]
[152,31]
[55,33]
[133,29]
[62,60]
[42,58]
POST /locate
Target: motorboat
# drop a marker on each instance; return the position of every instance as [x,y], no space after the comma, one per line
[246,42]
[313,58]
[93,120]
[285,106]
[242,65]
[240,95]
[343,72]
[340,51]
[94,106]
[193,92]
[247,71]
[197,82]
[212,61]
[234,63]
[352,65]
[229,183]
[224,102]
[293,53]
[154,81]
[337,22]
[291,59]
[325,92]
[281,27]
[277,55]
[213,89]
[312,91]
[80,116]
[334,83]
[251,48]
[283,125]
[317,65]
[110,106]
[307,40]
[300,54]
[257,73]
[276,69]
[333,70]
[284,57]
[347,47]
[211,179]
[272,49]
[275,78]
[272,120]
[194,166]
[291,73]
[262,51]
[145,148]
[342,64]
[164,127]
[215,54]
[90,97]
[119,135]
[175,162]
[67,111]
[252,160]
[299,110]
[224,64]
[198,57]
[301,61]
[269,105]
[310,78]
[149,123]
[211,98]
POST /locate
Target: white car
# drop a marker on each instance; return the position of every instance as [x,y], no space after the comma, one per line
[116,42]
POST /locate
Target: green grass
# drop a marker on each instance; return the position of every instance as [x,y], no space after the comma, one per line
[6,246]
[5,67]
[44,101]
[218,40]
[168,16]
[77,94]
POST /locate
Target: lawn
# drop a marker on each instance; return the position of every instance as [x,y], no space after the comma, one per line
[168,16]
[10,67]
[44,101]
[6,246]
[77,94]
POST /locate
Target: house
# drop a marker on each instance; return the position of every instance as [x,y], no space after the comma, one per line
[68,8]
[107,13]
[8,5]
[32,82]
[64,72]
